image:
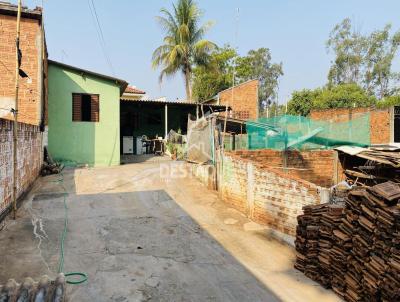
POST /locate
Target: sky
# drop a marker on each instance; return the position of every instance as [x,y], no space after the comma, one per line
[294,30]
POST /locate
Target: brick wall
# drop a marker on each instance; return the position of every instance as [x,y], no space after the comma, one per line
[29,159]
[266,196]
[317,166]
[30,92]
[380,120]
[380,126]
[245,100]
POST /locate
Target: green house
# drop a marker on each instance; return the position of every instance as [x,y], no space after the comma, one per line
[83,115]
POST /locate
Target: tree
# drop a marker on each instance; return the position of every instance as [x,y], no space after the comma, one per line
[184,46]
[257,65]
[365,60]
[302,101]
[349,48]
[381,51]
[217,76]
[339,96]
[343,96]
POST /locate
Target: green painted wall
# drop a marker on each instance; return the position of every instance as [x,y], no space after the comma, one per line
[95,144]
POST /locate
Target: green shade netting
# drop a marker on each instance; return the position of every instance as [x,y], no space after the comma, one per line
[302,133]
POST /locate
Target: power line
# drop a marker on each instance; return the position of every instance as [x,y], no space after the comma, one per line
[100,34]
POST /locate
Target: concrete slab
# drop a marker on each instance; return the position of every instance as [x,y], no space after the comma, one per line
[149,232]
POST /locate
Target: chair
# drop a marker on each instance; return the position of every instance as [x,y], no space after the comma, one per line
[145,144]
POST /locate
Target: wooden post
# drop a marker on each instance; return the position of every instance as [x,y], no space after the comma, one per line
[166,121]
[15,131]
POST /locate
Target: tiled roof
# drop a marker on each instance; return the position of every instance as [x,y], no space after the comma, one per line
[131,89]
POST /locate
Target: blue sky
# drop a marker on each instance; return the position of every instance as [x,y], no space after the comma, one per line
[295,31]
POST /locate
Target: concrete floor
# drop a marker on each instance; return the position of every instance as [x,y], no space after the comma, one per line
[148,232]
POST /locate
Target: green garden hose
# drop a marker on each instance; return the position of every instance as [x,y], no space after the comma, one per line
[83,276]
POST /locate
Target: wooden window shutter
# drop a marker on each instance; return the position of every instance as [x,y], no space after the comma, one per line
[94,108]
[76,107]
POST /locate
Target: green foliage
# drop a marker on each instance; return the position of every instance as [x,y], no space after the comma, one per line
[364,59]
[184,46]
[339,96]
[302,101]
[349,49]
[217,76]
[389,101]
[343,96]
[257,65]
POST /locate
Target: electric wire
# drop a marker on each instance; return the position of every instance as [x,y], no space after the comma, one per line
[100,34]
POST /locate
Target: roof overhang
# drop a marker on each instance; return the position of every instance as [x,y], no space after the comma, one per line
[121,83]
[12,10]
[213,108]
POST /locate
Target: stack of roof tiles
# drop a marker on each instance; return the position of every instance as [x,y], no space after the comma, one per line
[358,244]
[38,291]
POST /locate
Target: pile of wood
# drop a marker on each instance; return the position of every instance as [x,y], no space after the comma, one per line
[49,165]
[358,244]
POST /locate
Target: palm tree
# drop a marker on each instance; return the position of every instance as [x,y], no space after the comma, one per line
[184,46]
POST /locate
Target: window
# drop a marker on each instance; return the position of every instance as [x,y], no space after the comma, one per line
[85,107]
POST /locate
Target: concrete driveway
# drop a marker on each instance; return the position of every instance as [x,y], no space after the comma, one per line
[149,232]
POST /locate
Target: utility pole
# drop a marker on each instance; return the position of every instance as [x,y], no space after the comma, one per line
[15,131]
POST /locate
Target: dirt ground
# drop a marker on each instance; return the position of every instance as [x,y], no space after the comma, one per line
[149,232]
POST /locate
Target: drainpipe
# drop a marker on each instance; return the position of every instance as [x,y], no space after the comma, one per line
[166,121]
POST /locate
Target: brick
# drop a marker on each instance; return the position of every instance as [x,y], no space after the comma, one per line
[243,100]
[278,197]
[30,159]
[29,95]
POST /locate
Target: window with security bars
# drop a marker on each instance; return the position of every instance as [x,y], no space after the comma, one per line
[85,107]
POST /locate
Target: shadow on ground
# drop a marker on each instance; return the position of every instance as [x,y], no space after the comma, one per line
[138,246]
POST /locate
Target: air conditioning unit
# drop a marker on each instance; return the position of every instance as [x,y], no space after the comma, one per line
[127,144]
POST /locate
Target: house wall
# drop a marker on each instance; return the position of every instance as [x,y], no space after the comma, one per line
[30,159]
[30,90]
[92,143]
[244,103]
[380,120]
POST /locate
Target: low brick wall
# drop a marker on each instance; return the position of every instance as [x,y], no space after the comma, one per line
[318,167]
[266,196]
[30,159]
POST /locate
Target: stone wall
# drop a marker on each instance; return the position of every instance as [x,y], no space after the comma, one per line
[30,159]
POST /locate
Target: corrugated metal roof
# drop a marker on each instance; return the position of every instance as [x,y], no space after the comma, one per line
[172,103]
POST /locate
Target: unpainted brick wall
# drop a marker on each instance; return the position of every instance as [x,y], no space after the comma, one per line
[380,120]
[29,99]
[244,103]
[29,155]
[317,166]
[266,196]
